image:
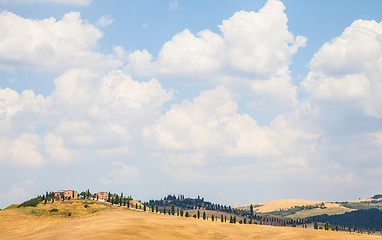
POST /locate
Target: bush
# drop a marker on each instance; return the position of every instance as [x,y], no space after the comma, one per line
[53,210]
[31,203]
[69,214]
[86,206]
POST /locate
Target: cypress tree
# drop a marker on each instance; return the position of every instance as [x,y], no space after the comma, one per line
[156,208]
[221,218]
[251,209]
[152,207]
[187,214]
[234,219]
[213,217]
[173,209]
[198,214]
[177,212]
[245,221]
[231,220]
[164,210]
[204,216]
[315,225]
[144,207]
[128,203]
[136,205]
[225,218]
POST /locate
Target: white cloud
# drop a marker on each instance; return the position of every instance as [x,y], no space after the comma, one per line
[347,69]
[51,45]
[54,147]
[86,111]
[105,20]
[254,51]
[211,123]
[21,151]
[122,174]
[71,2]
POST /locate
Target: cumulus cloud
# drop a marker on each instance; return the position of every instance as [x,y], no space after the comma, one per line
[254,49]
[347,69]
[86,111]
[54,147]
[50,44]
[21,151]
[122,174]
[211,123]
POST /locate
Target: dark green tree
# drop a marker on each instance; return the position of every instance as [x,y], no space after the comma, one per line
[187,214]
[234,219]
[156,208]
[144,207]
[327,226]
[315,225]
[128,203]
[213,217]
[198,214]
[172,209]
[251,210]
[136,205]
[164,210]
[177,212]
[245,221]
[204,215]
[152,207]
[181,212]
[221,218]
[231,219]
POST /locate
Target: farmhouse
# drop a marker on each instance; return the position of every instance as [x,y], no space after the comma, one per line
[101,196]
[66,194]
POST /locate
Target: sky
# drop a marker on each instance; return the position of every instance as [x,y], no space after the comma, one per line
[236,101]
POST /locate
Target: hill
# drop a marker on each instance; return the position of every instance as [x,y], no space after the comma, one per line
[120,223]
[297,208]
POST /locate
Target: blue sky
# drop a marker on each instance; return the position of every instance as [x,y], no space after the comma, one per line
[236,101]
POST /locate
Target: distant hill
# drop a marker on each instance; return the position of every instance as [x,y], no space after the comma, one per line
[364,219]
[297,208]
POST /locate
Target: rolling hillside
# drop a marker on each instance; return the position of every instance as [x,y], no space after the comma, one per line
[119,223]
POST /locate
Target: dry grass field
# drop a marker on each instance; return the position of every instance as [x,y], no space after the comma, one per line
[117,223]
[330,208]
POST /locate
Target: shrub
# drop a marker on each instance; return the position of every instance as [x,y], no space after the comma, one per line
[31,203]
[86,206]
[69,214]
[53,210]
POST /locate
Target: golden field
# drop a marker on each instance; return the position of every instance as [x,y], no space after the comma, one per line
[103,222]
[282,204]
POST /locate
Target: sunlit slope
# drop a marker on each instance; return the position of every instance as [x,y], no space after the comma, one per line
[284,204]
[118,223]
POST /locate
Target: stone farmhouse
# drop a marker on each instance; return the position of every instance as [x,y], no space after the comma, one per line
[66,194]
[102,196]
